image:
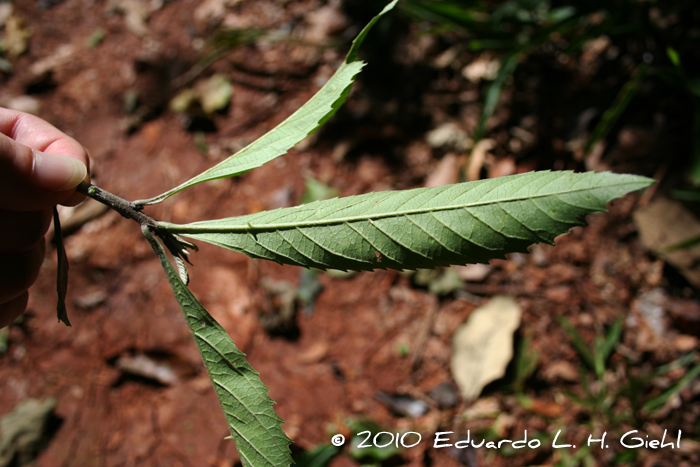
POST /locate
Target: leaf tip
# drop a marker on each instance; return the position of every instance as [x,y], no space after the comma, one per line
[62,314]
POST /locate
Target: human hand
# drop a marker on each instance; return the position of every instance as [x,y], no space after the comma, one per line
[40,167]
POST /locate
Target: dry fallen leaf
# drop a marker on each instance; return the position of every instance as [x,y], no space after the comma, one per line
[665,222]
[22,431]
[473,272]
[485,67]
[546,408]
[448,135]
[165,369]
[483,346]
[211,94]
[73,218]
[486,407]
[211,12]
[6,10]
[314,353]
[324,23]
[477,158]
[59,57]
[136,13]
[214,92]
[17,35]
[24,103]
[446,172]
[560,370]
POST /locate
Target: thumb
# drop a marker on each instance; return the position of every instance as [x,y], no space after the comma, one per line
[32,180]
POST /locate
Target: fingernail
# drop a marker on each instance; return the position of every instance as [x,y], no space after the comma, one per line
[56,172]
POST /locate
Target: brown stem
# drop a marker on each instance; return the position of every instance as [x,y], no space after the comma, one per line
[132,211]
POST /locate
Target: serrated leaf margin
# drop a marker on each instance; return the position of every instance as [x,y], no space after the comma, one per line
[253,424]
[307,119]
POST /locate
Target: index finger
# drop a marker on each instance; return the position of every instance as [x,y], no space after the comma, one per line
[36,133]
[39,134]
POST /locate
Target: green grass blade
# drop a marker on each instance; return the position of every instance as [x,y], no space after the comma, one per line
[680,362]
[622,100]
[695,161]
[298,126]
[659,401]
[421,228]
[493,95]
[253,424]
[526,361]
[683,244]
[470,18]
[607,346]
[685,195]
[579,344]
[510,64]
[321,456]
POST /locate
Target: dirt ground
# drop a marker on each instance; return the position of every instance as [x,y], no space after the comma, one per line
[363,334]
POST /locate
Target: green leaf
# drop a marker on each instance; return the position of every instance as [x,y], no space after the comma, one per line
[661,400]
[607,345]
[320,457]
[316,191]
[62,270]
[421,228]
[673,56]
[298,126]
[683,244]
[371,454]
[579,344]
[253,424]
[694,170]
[613,114]
[493,95]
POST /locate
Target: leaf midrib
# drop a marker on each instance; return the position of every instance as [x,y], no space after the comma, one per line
[192,228]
